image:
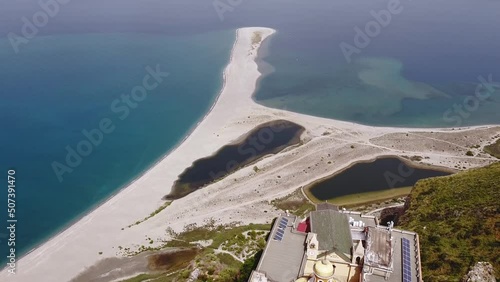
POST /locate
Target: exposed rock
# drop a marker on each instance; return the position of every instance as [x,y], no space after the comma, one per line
[391,214]
[481,272]
[194,275]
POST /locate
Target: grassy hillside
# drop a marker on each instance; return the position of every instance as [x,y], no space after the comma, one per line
[493,149]
[458,220]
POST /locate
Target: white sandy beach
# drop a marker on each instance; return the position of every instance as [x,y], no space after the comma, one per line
[244,195]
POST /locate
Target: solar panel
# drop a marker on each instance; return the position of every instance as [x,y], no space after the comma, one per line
[280,231]
[405,253]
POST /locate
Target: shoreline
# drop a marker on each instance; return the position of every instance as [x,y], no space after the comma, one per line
[407,162]
[193,186]
[97,234]
[115,195]
[266,70]
[138,176]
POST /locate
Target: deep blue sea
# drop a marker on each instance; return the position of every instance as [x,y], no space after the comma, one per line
[420,68]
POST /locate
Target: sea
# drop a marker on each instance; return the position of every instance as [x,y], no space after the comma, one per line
[69,68]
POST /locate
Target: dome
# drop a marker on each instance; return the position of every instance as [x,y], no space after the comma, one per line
[323,269]
[301,280]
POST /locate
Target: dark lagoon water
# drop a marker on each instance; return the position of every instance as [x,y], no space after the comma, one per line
[381,174]
[65,79]
[267,138]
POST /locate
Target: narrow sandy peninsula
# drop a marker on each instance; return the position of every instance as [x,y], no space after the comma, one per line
[327,146]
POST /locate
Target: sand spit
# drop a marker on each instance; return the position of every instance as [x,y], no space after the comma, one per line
[244,195]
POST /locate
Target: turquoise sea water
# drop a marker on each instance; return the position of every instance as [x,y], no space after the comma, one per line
[420,70]
[64,84]
[65,80]
[375,91]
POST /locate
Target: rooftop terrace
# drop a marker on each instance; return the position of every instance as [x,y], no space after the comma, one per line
[281,259]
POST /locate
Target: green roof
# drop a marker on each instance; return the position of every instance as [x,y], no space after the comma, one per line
[333,231]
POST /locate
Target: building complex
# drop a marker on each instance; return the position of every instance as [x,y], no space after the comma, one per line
[332,245]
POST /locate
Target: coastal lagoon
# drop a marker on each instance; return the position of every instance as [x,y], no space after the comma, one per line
[268,138]
[65,79]
[378,175]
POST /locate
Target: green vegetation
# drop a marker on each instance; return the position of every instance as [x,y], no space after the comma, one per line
[245,243]
[247,267]
[214,263]
[457,218]
[157,211]
[355,200]
[157,277]
[493,149]
[359,199]
[218,234]
[295,203]
[229,260]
